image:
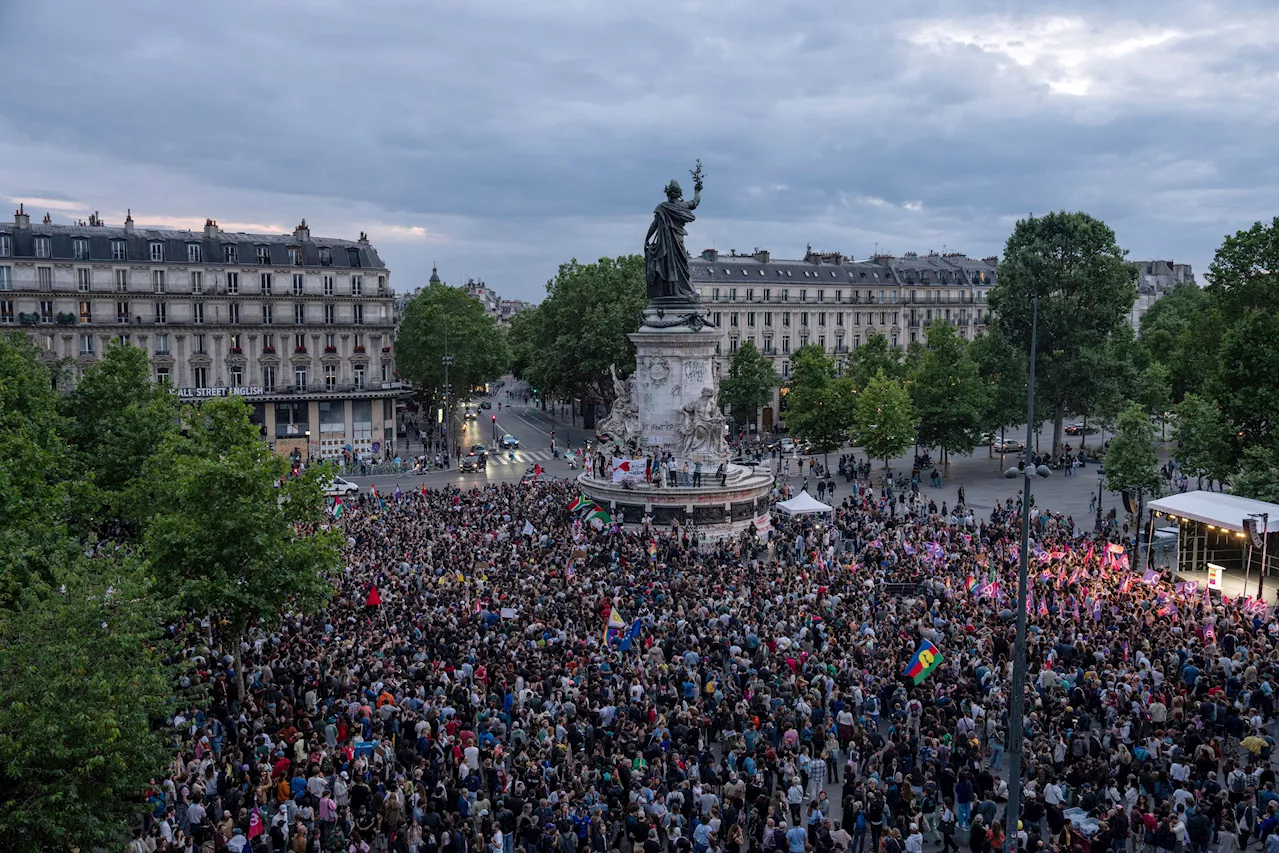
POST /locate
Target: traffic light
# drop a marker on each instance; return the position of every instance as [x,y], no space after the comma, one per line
[493,418]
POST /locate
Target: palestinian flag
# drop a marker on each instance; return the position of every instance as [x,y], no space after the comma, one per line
[600,515]
[923,662]
[580,502]
[338,508]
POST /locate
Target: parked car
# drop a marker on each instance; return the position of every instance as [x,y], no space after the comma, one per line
[788,445]
[509,442]
[1009,446]
[341,488]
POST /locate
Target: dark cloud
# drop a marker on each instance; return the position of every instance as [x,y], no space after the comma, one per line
[501,139]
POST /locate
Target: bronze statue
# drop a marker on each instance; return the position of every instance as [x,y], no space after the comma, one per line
[666,263]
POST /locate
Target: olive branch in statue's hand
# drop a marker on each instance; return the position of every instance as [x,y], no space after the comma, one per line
[696,174]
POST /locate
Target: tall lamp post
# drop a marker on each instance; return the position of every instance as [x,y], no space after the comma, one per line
[1097,521]
[448,420]
[1016,703]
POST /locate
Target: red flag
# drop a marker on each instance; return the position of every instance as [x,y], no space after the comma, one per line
[373,599]
[476,609]
[537,470]
[255,824]
[424,490]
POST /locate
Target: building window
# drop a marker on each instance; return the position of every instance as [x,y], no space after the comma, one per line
[46,310]
[358,339]
[200,344]
[822,342]
[326,256]
[300,378]
[6,246]
[804,318]
[197,312]
[6,278]
[157,281]
[840,318]
[193,253]
[123,340]
[84,281]
[197,281]
[119,250]
[157,251]
[162,343]
[264,255]
[751,293]
[6,311]
[768,319]
[268,314]
[733,294]
[269,378]
[200,377]
[330,377]
[715,294]
[328,313]
[330,341]
[353,258]
[233,313]
[268,342]
[233,282]
[161,316]
[295,256]
[229,253]
[162,376]
[291,418]
[86,344]
[236,377]
[386,373]
[382,284]
[122,312]
[300,343]
[80,248]
[838,294]
[804,294]
[328,285]
[357,285]
[44,247]
[751,319]
[786,320]
[786,344]
[894,342]
[300,314]
[766,293]
[357,314]
[297,284]
[822,318]
[733,319]
[264,283]
[122,281]
[86,311]
[358,372]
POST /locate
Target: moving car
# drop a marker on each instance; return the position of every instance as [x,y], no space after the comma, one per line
[1078,429]
[340,488]
[468,465]
[486,405]
[471,415]
[788,445]
[509,442]
[478,450]
[1009,446]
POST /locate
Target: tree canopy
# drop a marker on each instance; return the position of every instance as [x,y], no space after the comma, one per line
[444,320]
[947,392]
[873,357]
[884,419]
[1130,463]
[750,381]
[820,405]
[1085,288]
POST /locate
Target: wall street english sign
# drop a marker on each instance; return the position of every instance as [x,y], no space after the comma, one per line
[239,391]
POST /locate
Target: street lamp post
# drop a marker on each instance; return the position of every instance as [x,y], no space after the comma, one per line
[1016,703]
[1097,521]
[448,420]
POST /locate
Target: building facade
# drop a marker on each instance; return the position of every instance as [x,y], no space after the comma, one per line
[836,302]
[303,328]
[1155,279]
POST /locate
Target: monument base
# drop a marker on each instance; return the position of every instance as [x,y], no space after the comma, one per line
[712,511]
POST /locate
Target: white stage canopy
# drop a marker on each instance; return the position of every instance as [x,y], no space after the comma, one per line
[803,504]
[1225,511]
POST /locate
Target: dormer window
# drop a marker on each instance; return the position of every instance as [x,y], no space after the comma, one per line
[119,250]
[44,247]
[80,246]
[229,253]
[326,256]
[295,256]
[193,253]
[264,255]
[353,258]
[157,251]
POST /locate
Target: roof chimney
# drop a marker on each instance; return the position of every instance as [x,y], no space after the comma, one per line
[302,233]
[762,255]
[20,217]
[364,238]
[211,229]
[993,260]
[709,254]
[128,221]
[48,220]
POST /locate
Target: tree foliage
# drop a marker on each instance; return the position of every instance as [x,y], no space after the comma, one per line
[1003,372]
[946,392]
[84,694]
[444,320]
[873,357]
[1179,331]
[1085,288]
[582,327]
[884,419]
[750,382]
[1257,477]
[1203,439]
[233,534]
[1243,274]
[1131,459]
[820,405]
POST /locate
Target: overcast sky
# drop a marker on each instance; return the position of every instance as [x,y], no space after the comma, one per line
[503,138]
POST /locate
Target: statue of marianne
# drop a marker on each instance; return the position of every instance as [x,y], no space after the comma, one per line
[666,263]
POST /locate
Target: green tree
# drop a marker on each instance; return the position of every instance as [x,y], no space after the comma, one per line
[820,406]
[874,356]
[84,693]
[1131,459]
[1203,439]
[582,327]
[750,382]
[884,419]
[444,320]
[231,533]
[1180,332]
[1257,477]
[1085,288]
[1243,274]
[946,392]
[522,344]
[117,417]
[1245,382]
[1154,392]
[1003,371]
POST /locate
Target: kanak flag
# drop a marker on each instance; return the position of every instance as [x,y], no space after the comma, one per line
[255,824]
[924,662]
[373,599]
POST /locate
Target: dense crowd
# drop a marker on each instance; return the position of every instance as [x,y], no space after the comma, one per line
[460,693]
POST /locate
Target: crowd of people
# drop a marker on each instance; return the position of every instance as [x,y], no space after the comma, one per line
[498,673]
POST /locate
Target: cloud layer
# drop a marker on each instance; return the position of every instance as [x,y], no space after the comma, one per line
[500,139]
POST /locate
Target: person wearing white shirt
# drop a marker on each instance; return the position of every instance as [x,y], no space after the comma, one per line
[915,841]
[1053,794]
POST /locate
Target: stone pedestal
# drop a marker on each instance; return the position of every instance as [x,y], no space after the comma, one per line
[673,367]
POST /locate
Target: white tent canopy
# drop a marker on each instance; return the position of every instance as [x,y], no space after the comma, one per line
[1225,511]
[803,504]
